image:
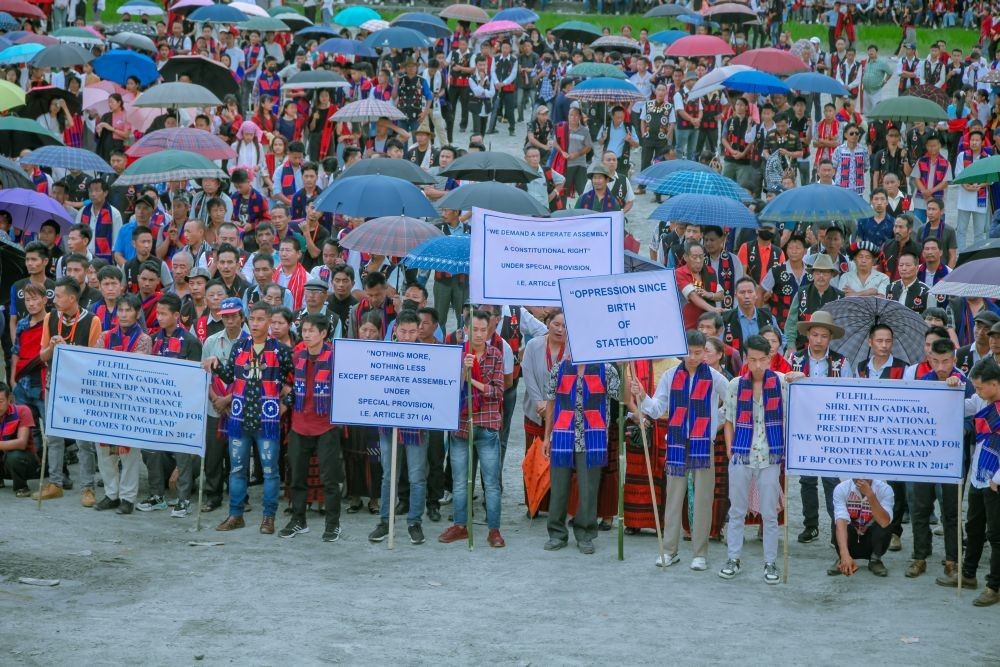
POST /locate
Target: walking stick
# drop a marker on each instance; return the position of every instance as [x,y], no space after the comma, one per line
[784,570]
[469,476]
[201,493]
[652,486]
[621,465]
[41,475]
[392,487]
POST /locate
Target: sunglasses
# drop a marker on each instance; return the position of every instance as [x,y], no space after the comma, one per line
[851,134]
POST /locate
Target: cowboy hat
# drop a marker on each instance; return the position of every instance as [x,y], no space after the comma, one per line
[823,263]
[425,127]
[821,318]
[599,169]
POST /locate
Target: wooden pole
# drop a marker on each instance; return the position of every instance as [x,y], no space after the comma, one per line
[41,475]
[470,478]
[784,569]
[392,487]
[201,493]
[621,464]
[652,486]
[961,490]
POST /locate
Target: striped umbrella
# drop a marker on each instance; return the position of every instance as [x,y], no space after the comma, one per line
[170,165]
[655,174]
[980,277]
[8,22]
[705,210]
[391,236]
[368,110]
[66,157]
[605,89]
[374,25]
[702,183]
[444,253]
[189,139]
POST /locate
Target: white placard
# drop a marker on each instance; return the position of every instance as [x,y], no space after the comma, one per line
[127,399]
[623,317]
[520,260]
[409,385]
[903,430]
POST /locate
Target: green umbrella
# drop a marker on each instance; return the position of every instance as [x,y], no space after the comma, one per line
[986,170]
[908,110]
[577,31]
[17,134]
[264,24]
[169,165]
[589,70]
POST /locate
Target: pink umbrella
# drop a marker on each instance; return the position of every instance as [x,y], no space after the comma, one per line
[699,45]
[140,118]
[96,100]
[94,30]
[109,86]
[772,61]
[34,38]
[188,139]
[249,9]
[187,6]
[498,28]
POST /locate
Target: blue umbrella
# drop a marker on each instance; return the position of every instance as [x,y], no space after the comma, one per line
[316,32]
[760,83]
[811,82]
[29,210]
[19,53]
[66,157]
[353,17]
[428,24]
[217,14]
[705,210]
[655,174]
[119,65]
[667,37]
[696,19]
[816,203]
[347,47]
[8,22]
[444,253]
[397,38]
[518,15]
[701,183]
[374,197]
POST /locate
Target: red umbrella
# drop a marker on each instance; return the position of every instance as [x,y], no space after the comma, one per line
[22,9]
[34,38]
[772,61]
[464,12]
[188,139]
[699,45]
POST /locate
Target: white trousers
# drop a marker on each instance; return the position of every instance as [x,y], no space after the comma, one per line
[740,478]
[123,485]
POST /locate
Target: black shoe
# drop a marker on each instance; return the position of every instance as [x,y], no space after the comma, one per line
[380,533]
[434,514]
[332,533]
[67,484]
[808,535]
[416,533]
[125,507]
[402,508]
[512,132]
[294,527]
[106,504]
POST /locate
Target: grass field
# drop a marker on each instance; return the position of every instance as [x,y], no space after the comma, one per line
[886,37]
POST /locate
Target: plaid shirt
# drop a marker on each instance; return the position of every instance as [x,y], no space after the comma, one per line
[490,412]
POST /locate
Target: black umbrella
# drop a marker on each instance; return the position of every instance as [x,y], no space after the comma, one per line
[37,101]
[207,73]
[59,56]
[490,166]
[12,176]
[988,250]
[12,269]
[672,11]
[396,167]
[859,314]
[502,197]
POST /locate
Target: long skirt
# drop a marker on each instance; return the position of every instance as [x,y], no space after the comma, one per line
[362,464]
[638,502]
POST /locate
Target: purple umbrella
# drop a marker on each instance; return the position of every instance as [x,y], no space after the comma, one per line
[29,209]
[980,277]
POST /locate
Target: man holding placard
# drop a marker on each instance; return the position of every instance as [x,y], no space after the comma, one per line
[691,395]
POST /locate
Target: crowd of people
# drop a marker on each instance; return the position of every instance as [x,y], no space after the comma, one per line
[246,276]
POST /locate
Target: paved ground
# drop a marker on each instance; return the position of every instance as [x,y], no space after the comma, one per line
[132,590]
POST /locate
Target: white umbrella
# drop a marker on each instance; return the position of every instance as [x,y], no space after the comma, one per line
[249,9]
[140,10]
[712,82]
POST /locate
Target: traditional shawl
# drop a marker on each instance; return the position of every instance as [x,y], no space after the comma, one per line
[322,379]
[270,381]
[116,338]
[595,407]
[773,418]
[103,229]
[168,346]
[689,443]
[987,423]
[296,284]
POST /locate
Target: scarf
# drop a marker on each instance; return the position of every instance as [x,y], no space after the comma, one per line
[222,389]
[588,200]
[595,407]
[940,172]
[108,317]
[967,159]
[287,180]
[322,379]
[987,423]
[558,161]
[773,418]
[149,310]
[117,337]
[296,284]
[10,423]
[103,230]
[270,387]
[388,313]
[170,346]
[690,420]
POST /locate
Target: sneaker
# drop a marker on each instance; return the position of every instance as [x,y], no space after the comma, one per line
[151,504]
[434,514]
[771,574]
[808,535]
[699,564]
[380,533]
[585,547]
[667,560]
[730,569]
[87,497]
[181,509]
[107,504]
[895,543]
[446,498]
[554,545]
[48,492]
[125,507]
[332,533]
[294,527]
[454,533]
[416,533]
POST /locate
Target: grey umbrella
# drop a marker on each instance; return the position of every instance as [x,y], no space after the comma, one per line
[859,314]
[399,168]
[12,176]
[501,197]
[59,56]
[177,95]
[134,41]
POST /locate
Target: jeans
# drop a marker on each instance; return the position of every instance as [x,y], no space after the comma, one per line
[507,100]
[487,444]
[435,469]
[87,453]
[416,473]
[982,525]
[809,490]
[970,229]
[686,142]
[327,448]
[239,458]
[31,397]
[920,515]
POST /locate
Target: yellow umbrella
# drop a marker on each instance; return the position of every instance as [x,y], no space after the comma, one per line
[10,95]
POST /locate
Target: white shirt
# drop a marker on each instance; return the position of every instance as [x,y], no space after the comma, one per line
[847,497]
[967,201]
[539,188]
[876,280]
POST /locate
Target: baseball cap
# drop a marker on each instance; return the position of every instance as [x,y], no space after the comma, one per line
[230,306]
[815,40]
[147,200]
[995,329]
[317,284]
[199,272]
[987,317]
